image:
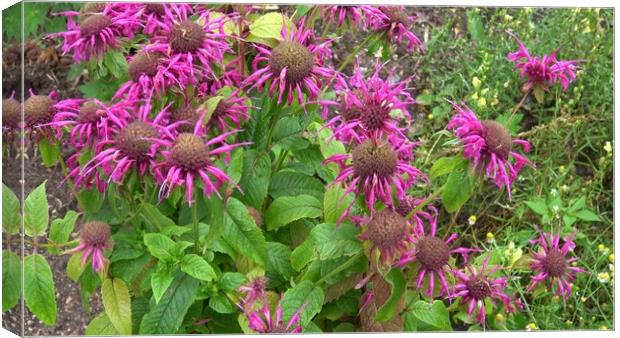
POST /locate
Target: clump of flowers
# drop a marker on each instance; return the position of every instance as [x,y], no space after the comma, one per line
[489,146]
[94,240]
[551,263]
[475,287]
[293,67]
[395,22]
[542,71]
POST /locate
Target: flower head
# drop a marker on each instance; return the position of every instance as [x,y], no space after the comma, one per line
[542,71]
[475,287]
[552,264]
[39,111]
[373,170]
[154,16]
[388,233]
[295,65]
[395,22]
[188,157]
[433,254]
[489,145]
[11,118]
[94,239]
[342,14]
[366,106]
[97,30]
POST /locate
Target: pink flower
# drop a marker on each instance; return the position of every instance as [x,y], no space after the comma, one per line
[477,286]
[489,145]
[195,44]
[94,33]
[388,234]
[366,105]
[544,71]
[374,170]
[189,157]
[11,118]
[156,16]
[395,22]
[342,14]
[551,263]
[433,255]
[292,67]
[94,240]
[39,111]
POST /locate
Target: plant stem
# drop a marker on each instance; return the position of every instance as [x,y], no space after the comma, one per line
[516,108]
[194,208]
[424,203]
[339,269]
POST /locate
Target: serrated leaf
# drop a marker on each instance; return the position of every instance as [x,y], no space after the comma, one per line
[117,304]
[230,281]
[36,216]
[160,246]
[101,326]
[303,254]
[155,217]
[305,295]
[11,279]
[398,286]
[255,178]
[444,166]
[292,183]
[209,107]
[39,290]
[167,316]
[538,205]
[75,268]
[90,199]
[434,314]
[475,27]
[220,304]
[279,259]
[242,234]
[160,281]
[197,267]
[287,209]
[335,203]
[235,167]
[587,215]
[334,241]
[50,152]
[61,229]
[458,188]
[11,211]
[267,29]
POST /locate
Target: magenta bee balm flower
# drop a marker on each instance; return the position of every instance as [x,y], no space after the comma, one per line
[94,240]
[388,233]
[395,21]
[342,14]
[542,71]
[489,146]
[552,264]
[373,171]
[295,65]
[477,286]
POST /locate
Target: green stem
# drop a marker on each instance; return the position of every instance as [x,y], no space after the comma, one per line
[516,108]
[424,203]
[339,269]
[194,208]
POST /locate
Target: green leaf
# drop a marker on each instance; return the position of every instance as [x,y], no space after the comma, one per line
[335,203]
[197,267]
[230,281]
[287,133]
[39,290]
[50,152]
[36,215]
[154,216]
[101,326]
[61,229]
[587,215]
[434,314]
[267,28]
[90,199]
[539,94]
[334,241]
[167,316]
[444,166]
[458,189]
[11,279]
[475,27]
[160,246]
[398,285]
[292,183]
[279,259]
[75,268]
[539,206]
[287,209]
[242,234]
[305,295]
[116,63]
[117,304]
[255,178]
[209,106]
[303,254]
[235,167]
[11,211]
[220,304]
[160,281]
[301,10]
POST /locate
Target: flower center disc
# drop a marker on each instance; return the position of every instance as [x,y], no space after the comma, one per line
[374,116]
[432,252]
[185,113]
[479,287]
[189,152]
[88,112]
[370,159]
[143,63]
[386,229]
[132,140]
[397,15]
[295,57]
[94,24]
[11,113]
[95,234]
[38,110]
[554,264]
[498,138]
[157,9]
[186,37]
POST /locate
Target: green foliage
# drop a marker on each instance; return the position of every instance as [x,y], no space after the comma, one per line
[11,211]
[36,214]
[39,289]
[287,209]
[11,279]
[117,304]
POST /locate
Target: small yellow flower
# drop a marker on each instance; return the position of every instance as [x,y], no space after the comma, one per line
[603,277]
[507,18]
[430,116]
[584,299]
[474,96]
[472,220]
[484,91]
[531,327]
[494,101]
[603,327]
[482,102]
[565,188]
[499,317]
[608,147]
[490,237]
[562,168]
[476,82]
[506,84]
[603,249]
[611,258]
[569,322]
